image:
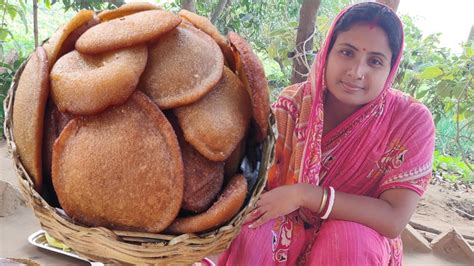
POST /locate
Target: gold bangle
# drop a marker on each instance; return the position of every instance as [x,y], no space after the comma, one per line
[323,200]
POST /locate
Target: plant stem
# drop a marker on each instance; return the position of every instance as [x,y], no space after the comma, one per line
[4,12]
[458,130]
[35,21]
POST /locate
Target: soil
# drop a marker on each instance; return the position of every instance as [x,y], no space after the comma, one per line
[445,205]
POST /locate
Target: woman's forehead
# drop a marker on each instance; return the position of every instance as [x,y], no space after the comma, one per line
[366,37]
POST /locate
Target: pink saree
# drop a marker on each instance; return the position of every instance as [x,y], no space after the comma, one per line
[386,144]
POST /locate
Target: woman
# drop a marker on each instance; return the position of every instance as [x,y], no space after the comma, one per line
[342,191]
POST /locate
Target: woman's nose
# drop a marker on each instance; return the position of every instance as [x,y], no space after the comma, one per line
[357,70]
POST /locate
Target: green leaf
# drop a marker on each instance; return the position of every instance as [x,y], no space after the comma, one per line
[421,94]
[461,117]
[278,32]
[12,11]
[294,24]
[47,4]
[470,51]
[431,72]
[458,89]
[272,50]
[443,89]
[448,77]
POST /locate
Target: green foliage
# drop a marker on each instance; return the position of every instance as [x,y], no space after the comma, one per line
[86,4]
[443,81]
[452,168]
[8,69]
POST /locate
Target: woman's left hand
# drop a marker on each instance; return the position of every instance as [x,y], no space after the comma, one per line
[274,203]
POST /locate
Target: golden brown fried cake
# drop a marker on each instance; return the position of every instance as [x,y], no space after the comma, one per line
[127,31]
[216,124]
[203,179]
[232,163]
[55,43]
[228,205]
[28,114]
[252,74]
[70,41]
[126,9]
[206,25]
[83,84]
[54,123]
[121,169]
[183,66]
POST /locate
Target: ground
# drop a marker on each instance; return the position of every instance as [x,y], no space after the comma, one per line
[445,205]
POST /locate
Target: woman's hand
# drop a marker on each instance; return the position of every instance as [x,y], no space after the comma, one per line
[274,203]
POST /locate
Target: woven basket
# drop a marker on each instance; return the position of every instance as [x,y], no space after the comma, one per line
[113,246]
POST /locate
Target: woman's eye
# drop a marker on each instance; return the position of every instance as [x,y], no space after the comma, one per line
[346,52]
[376,61]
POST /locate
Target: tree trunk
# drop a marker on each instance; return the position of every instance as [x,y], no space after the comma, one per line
[35,21]
[217,12]
[393,4]
[304,40]
[188,5]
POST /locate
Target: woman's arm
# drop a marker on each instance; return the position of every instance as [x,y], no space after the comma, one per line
[387,215]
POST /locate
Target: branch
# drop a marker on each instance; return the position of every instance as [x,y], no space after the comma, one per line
[35,21]
[458,130]
[280,63]
[467,124]
[188,5]
[4,12]
[217,12]
[304,39]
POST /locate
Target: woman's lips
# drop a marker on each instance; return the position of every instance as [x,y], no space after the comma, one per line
[351,86]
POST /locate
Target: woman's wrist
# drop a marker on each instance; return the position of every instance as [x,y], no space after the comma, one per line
[308,196]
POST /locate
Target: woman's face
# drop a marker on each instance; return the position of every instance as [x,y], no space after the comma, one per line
[358,65]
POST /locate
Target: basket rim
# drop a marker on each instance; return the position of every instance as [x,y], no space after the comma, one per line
[43,211]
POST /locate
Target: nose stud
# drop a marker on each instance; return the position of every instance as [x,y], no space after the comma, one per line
[361,77]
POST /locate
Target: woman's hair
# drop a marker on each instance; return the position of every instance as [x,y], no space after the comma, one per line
[375,14]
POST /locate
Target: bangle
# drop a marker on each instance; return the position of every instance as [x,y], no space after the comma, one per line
[332,196]
[323,200]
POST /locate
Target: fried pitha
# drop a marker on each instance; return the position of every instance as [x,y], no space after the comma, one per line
[232,163]
[127,31]
[183,66]
[28,114]
[228,205]
[126,9]
[206,26]
[70,41]
[83,84]
[252,74]
[121,169]
[216,124]
[203,179]
[55,43]
[54,123]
